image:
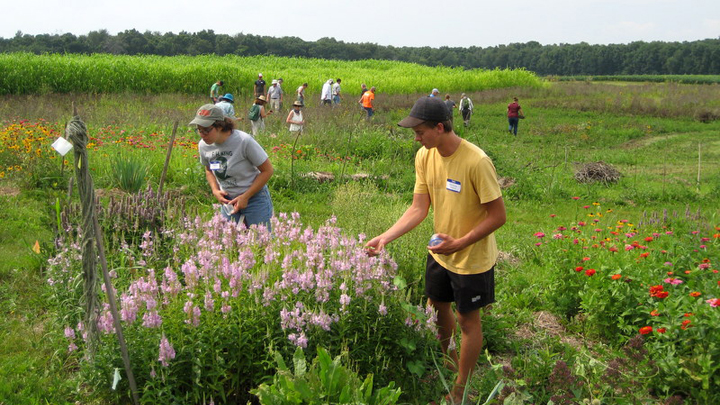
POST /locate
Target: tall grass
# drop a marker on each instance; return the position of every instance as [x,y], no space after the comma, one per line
[25,73]
[129,172]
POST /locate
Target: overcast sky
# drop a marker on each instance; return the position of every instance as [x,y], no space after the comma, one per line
[385,22]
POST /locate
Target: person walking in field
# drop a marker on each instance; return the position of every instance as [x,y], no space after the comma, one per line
[215,91]
[450,106]
[226,104]
[367,101]
[336,96]
[458,180]
[466,109]
[259,86]
[326,93]
[236,168]
[514,114]
[257,115]
[301,93]
[434,93]
[295,118]
[274,94]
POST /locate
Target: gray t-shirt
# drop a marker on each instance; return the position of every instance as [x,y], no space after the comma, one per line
[234,162]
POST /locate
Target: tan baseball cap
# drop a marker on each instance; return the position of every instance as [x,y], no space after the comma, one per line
[207,115]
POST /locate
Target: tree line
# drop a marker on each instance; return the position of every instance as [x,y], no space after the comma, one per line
[700,57]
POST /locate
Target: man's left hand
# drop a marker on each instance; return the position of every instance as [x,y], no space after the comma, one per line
[449,245]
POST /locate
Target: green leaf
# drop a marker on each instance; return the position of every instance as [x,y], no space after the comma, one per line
[399,282]
[299,362]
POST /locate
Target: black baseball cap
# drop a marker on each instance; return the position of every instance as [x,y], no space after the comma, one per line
[426,109]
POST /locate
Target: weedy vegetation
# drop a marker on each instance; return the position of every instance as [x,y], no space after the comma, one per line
[607,290]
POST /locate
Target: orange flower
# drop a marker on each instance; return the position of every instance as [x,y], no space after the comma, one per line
[645,254]
[654,313]
[645,330]
[695,294]
[661,330]
[616,276]
[685,324]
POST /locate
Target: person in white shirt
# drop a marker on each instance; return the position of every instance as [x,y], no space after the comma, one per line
[295,118]
[326,94]
[274,96]
[466,108]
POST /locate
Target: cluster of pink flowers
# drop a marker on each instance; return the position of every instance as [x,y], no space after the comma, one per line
[311,278]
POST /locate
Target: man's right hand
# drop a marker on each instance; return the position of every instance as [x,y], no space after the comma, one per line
[374,246]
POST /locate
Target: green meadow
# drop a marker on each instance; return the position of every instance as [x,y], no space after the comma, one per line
[555,334]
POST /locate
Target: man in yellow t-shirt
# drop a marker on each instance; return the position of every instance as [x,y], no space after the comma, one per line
[459,181]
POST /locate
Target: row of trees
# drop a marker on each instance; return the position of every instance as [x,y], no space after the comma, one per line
[696,57]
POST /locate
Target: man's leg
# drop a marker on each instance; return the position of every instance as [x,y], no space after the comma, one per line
[446,328]
[470,347]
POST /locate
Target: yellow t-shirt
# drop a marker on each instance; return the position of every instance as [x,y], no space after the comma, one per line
[458,185]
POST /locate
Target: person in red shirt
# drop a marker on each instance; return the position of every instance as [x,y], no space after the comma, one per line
[514,115]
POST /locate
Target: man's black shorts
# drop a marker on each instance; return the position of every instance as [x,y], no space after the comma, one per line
[468,291]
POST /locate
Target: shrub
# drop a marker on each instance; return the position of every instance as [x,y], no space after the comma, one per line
[227,298]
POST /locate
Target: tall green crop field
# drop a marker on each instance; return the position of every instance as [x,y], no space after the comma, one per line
[25,73]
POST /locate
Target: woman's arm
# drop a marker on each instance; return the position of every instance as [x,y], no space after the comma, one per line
[219,193]
[266,171]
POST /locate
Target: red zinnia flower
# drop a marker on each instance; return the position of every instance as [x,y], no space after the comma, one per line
[661,330]
[581,268]
[645,254]
[590,272]
[654,313]
[695,294]
[616,276]
[645,330]
[685,324]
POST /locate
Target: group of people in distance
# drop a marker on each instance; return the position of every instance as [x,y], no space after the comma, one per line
[453,176]
[514,111]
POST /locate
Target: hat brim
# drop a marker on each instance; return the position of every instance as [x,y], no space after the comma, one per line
[410,122]
[203,122]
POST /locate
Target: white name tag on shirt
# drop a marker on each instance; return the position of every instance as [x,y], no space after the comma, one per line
[453,185]
[214,165]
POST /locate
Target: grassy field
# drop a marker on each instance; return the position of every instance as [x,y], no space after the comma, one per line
[662,139]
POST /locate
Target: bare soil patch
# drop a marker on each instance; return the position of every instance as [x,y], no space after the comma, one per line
[9,191]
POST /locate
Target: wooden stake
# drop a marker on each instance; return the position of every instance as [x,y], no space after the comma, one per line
[167,159]
[698,176]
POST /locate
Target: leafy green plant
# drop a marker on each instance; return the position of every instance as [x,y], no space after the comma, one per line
[128,172]
[326,381]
